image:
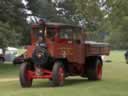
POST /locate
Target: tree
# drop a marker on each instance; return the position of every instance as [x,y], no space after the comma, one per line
[91,11]
[43,9]
[119,22]
[8,36]
[106,16]
[12,13]
[67,11]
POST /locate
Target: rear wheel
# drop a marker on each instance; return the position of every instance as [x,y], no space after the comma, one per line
[94,71]
[25,81]
[58,74]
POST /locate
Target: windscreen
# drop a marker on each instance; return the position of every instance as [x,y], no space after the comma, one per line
[38,33]
[65,33]
[70,33]
[51,32]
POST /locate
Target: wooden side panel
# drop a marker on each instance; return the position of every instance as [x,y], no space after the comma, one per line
[73,52]
[92,50]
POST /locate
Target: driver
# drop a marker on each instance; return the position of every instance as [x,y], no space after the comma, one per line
[40,43]
[40,38]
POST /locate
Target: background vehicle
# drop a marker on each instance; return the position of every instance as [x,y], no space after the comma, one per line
[9,54]
[18,60]
[63,52]
[2,59]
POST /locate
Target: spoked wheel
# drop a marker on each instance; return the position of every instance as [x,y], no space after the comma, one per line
[58,74]
[99,71]
[25,79]
[94,71]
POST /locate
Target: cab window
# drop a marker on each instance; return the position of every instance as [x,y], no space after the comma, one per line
[66,33]
[51,32]
[76,33]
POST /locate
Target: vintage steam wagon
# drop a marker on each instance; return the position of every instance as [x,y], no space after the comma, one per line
[58,51]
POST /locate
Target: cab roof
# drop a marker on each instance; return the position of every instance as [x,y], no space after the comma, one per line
[57,25]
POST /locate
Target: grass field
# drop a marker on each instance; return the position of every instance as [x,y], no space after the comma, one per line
[8,71]
[114,83]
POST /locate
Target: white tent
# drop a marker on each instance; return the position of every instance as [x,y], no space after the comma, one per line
[10,53]
[0,51]
[12,49]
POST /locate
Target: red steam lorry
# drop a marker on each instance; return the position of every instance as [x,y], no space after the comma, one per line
[58,51]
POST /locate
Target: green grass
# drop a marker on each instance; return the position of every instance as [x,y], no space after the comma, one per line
[8,71]
[114,83]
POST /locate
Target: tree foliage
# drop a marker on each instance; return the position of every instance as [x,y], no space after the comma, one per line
[12,16]
[43,9]
[97,16]
[119,22]
[106,16]
[8,36]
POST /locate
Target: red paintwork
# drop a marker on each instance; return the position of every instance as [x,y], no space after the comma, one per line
[99,71]
[68,50]
[46,74]
[29,51]
[61,75]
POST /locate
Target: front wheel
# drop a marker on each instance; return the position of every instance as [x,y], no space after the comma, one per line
[94,71]
[58,74]
[25,81]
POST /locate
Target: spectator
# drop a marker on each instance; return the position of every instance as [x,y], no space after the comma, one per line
[126,56]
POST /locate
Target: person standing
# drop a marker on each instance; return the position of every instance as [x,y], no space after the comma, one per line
[126,56]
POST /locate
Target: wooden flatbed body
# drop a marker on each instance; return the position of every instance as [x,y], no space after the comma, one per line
[97,48]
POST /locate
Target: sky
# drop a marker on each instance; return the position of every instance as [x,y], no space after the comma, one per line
[24,2]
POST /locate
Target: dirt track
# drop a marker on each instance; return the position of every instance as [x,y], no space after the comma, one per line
[8,79]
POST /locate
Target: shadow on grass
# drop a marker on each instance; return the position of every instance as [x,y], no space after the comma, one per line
[68,82]
[75,81]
